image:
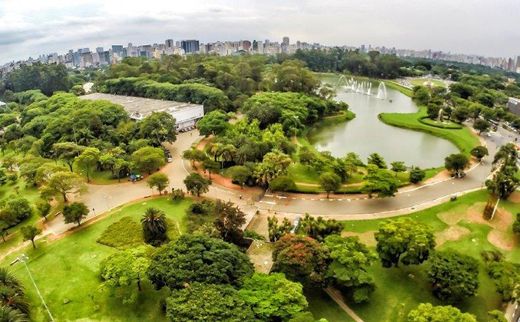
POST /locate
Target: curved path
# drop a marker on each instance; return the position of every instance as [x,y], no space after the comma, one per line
[102,198]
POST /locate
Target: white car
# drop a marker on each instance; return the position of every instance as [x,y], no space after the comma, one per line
[170,159]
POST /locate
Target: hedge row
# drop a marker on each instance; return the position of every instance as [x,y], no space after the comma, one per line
[212,98]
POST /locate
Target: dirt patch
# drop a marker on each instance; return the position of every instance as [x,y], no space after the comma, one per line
[475,214]
[501,239]
[366,238]
[450,234]
[514,197]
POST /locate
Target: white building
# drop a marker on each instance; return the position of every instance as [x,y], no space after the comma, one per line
[186,114]
[2,104]
[513,104]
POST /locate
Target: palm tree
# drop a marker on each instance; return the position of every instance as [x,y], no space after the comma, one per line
[8,314]
[155,226]
[227,153]
[12,294]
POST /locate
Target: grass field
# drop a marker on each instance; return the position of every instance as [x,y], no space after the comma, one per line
[463,138]
[402,289]
[422,81]
[322,306]
[16,190]
[66,271]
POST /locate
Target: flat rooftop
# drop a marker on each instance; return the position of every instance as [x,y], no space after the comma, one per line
[141,105]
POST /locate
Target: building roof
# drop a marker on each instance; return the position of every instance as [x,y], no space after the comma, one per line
[2,103]
[140,107]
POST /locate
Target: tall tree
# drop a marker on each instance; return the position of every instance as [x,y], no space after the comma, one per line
[350,265]
[158,127]
[88,160]
[229,222]
[377,160]
[417,175]
[302,259]
[198,258]
[67,151]
[330,182]
[124,268]
[155,227]
[148,159]
[479,152]
[456,163]
[30,233]
[319,228]
[75,212]
[380,181]
[273,297]
[207,302]
[158,180]
[448,313]
[453,275]
[213,123]
[404,241]
[196,184]
[12,296]
[481,125]
[63,183]
[43,207]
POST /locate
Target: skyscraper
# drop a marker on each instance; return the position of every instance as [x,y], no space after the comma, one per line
[285,41]
[169,43]
[190,46]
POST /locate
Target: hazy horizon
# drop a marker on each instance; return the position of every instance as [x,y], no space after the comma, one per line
[32,27]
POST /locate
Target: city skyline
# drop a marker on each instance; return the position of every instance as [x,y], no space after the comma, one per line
[29,28]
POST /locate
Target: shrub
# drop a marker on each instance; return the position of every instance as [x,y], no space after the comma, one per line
[125,233]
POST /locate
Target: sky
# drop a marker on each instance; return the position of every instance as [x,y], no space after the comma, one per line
[484,27]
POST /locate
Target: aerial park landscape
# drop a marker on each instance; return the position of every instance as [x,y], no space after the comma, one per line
[324,185]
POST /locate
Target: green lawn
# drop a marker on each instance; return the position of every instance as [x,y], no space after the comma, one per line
[403,288]
[463,138]
[66,271]
[421,81]
[15,190]
[322,306]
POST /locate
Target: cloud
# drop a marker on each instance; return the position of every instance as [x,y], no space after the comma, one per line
[32,27]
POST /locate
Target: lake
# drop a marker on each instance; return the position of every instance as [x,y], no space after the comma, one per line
[366,134]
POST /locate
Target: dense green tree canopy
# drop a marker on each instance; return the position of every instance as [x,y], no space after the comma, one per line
[350,265]
[428,312]
[404,241]
[456,163]
[157,128]
[301,258]
[148,159]
[273,297]
[75,212]
[125,268]
[196,184]
[454,276]
[206,302]
[197,258]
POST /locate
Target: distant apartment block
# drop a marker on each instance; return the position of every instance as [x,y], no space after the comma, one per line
[190,46]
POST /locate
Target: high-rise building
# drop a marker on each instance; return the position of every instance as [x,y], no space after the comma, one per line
[99,50]
[169,43]
[118,50]
[190,46]
[285,41]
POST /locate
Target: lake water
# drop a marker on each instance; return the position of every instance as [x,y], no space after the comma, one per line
[366,134]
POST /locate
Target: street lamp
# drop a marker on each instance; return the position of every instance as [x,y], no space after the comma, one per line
[23,259]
